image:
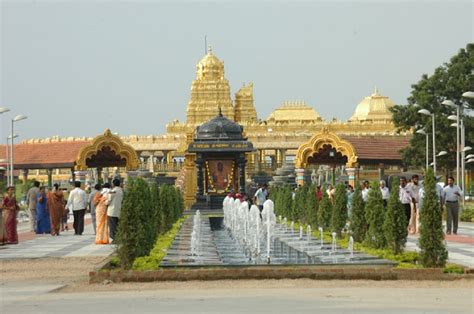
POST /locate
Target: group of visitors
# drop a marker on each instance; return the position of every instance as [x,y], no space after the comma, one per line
[49,211]
[411,195]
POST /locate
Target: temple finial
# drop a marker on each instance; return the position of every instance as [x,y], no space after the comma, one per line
[376,90]
[209,49]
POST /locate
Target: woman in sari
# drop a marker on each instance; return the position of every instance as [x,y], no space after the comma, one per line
[56,209]
[42,213]
[100,202]
[3,234]
[10,209]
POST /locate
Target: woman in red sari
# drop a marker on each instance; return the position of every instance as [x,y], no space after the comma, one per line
[10,209]
[56,209]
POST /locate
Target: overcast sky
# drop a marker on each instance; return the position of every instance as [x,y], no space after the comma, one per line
[78,67]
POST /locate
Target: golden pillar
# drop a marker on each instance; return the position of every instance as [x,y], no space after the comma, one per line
[190,178]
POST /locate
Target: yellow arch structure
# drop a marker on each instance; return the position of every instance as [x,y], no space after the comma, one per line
[325,138]
[115,144]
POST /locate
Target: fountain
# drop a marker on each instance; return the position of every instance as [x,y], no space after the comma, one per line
[195,234]
[321,235]
[351,247]
[301,232]
[292,227]
[308,233]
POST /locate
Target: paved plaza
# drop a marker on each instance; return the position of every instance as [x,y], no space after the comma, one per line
[65,245]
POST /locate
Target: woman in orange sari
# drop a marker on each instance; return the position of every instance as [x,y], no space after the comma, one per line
[56,208]
[10,209]
[100,203]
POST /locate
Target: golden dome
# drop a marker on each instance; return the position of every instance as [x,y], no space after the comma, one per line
[373,108]
[294,111]
[210,67]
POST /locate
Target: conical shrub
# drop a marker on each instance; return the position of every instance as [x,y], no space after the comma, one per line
[312,206]
[339,209]
[395,224]
[325,211]
[433,252]
[358,222]
[375,216]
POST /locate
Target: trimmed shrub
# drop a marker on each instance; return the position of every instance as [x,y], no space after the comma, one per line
[134,238]
[299,203]
[157,213]
[312,206]
[433,252]
[325,211]
[358,221]
[375,216]
[395,224]
[339,209]
[167,206]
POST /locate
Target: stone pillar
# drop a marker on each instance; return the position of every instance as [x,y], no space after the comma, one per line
[333,175]
[299,176]
[241,163]
[283,156]
[200,175]
[99,176]
[381,171]
[151,163]
[24,173]
[50,178]
[353,174]
[73,176]
[169,157]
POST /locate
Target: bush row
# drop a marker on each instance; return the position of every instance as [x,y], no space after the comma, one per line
[147,212]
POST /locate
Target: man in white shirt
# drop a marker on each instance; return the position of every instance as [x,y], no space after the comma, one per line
[261,196]
[365,191]
[385,193]
[115,198]
[452,193]
[77,202]
[406,197]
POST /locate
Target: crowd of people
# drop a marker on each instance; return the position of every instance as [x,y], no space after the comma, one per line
[48,211]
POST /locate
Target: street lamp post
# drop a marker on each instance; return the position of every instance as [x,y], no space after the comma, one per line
[450,103]
[421,131]
[428,113]
[15,119]
[3,110]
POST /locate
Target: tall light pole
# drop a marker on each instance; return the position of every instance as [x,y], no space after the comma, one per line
[3,110]
[468,95]
[15,119]
[428,113]
[422,131]
[9,138]
[450,103]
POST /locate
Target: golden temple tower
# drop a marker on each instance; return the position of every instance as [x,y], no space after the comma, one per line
[373,108]
[244,108]
[209,91]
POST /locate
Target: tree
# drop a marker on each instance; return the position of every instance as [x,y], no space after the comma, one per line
[299,203]
[448,81]
[134,238]
[167,206]
[358,221]
[395,224]
[433,252]
[325,211]
[287,201]
[339,210]
[375,216]
[312,206]
[155,200]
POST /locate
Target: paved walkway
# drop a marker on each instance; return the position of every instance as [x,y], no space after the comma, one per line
[460,246]
[65,245]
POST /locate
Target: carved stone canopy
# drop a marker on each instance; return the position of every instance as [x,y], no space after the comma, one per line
[107,150]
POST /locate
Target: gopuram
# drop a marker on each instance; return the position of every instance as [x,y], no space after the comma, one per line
[365,146]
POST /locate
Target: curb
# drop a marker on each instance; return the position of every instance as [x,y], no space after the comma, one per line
[270,272]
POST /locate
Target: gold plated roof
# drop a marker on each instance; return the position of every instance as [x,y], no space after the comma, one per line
[210,67]
[295,111]
[373,108]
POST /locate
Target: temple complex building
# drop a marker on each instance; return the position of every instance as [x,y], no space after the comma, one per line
[277,140]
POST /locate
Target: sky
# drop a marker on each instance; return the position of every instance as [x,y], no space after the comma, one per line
[78,67]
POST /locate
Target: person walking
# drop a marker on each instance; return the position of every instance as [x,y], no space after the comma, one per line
[115,198]
[10,209]
[55,202]
[32,200]
[365,191]
[77,203]
[414,187]
[452,193]
[43,224]
[385,193]
[261,196]
[100,202]
[90,204]
[406,198]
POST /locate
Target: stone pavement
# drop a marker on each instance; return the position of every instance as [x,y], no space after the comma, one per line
[65,245]
[460,247]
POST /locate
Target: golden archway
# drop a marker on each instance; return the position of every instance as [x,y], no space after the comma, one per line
[317,142]
[107,150]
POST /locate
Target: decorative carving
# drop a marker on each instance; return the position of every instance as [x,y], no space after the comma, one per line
[318,141]
[109,149]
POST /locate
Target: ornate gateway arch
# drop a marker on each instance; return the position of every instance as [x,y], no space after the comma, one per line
[107,150]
